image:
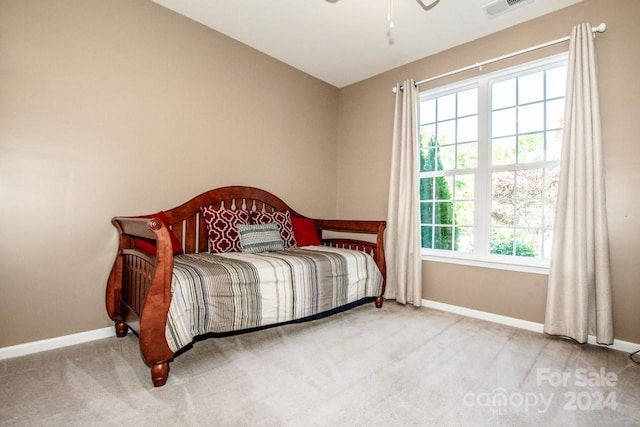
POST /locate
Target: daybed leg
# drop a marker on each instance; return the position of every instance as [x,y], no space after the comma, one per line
[379,301]
[121,329]
[160,373]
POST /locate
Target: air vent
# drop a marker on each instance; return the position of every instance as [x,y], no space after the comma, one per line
[501,6]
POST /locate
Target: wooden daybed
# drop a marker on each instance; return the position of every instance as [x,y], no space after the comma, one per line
[139,288]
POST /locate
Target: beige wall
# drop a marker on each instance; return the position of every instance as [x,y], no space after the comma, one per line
[123,107]
[366,110]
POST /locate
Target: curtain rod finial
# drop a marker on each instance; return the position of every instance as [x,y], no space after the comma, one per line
[602,27]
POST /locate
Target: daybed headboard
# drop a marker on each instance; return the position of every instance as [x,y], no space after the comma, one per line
[188,224]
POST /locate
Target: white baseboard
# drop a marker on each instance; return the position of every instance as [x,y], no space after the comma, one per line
[53,343]
[625,346]
[97,334]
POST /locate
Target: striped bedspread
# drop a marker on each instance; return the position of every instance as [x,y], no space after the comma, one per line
[235,291]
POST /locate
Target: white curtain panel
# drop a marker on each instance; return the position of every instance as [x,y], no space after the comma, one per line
[402,244]
[579,288]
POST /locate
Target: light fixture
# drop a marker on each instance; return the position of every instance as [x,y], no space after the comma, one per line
[420,2]
[390,23]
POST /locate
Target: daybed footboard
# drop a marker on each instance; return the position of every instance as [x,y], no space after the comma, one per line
[375,249]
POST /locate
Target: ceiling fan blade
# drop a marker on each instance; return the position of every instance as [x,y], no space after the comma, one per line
[428,6]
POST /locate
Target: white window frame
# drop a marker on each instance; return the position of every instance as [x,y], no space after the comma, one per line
[482,217]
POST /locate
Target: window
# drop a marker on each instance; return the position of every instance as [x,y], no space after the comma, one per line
[489,164]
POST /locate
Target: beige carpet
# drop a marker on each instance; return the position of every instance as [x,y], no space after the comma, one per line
[397,366]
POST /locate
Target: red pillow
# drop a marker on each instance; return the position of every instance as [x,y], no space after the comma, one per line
[283,220]
[305,231]
[148,245]
[222,227]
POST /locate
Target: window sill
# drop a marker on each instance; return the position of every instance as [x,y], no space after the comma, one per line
[498,262]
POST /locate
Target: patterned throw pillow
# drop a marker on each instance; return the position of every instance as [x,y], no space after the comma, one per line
[256,238]
[283,220]
[222,228]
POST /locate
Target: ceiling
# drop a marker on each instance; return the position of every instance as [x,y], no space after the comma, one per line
[344,41]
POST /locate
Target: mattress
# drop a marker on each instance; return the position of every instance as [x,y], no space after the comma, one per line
[219,293]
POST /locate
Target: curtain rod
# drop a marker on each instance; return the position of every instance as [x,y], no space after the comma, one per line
[599,29]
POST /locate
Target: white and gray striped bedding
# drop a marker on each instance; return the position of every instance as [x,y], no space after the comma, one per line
[234,291]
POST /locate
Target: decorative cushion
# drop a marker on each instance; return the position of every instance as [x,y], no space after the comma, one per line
[305,231]
[222,228]
[256,238]
[283,220]
[149,246]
